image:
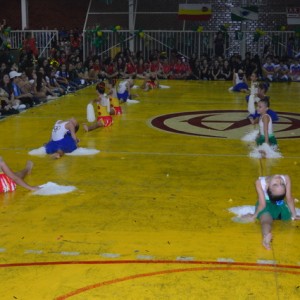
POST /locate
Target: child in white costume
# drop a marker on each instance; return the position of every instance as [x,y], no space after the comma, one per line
[239,82]
[271,191]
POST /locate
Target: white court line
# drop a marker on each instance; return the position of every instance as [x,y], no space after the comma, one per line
[266,262]
[225,259]
[110,255]
[184,258]
[145,257]
[29,251]
[72,253]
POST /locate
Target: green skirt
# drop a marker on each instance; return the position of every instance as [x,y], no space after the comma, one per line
[277,212]
[261,139]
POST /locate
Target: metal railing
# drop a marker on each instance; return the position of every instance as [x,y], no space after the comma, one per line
[44,40]
[109,42]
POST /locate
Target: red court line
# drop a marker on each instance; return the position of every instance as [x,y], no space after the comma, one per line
[143,275]
[111,262]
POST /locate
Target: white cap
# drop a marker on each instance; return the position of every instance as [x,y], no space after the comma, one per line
[14,74]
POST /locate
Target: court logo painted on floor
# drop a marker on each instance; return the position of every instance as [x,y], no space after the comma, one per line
[227,124]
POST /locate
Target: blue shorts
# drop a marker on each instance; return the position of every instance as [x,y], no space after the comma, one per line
[67,145]
[240,86]
[124,96]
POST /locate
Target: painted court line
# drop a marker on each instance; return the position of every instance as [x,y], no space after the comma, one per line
[71,253]
[164,272]
[29,251]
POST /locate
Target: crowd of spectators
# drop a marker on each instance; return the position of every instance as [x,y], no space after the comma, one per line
[34,80]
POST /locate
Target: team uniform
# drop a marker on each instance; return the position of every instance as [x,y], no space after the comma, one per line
[6,184]
[270,68]
[152,83]
[61,139]
[103,108]
[295,72]
[261,139]
[281,72]
[115,104]
[240,84]
[122,91]
[279,210]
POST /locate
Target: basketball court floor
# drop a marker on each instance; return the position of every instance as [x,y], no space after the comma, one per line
[149,218]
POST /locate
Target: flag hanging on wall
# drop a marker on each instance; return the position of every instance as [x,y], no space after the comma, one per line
[195,12]
[293,15]
[249,13]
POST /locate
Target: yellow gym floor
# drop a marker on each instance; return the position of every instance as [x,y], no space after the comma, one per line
[149,218]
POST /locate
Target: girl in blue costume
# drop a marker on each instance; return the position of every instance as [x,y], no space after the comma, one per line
[63,138]
[261,94]
[271,191]
[239,82]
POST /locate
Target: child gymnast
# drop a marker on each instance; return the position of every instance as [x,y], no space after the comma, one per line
[271,191]
[104,118]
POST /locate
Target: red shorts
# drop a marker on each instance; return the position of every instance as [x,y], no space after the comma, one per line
[106,120]
[151,84]
[118,110]
[6,184]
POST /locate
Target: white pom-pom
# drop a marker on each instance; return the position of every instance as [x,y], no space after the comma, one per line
[90,112]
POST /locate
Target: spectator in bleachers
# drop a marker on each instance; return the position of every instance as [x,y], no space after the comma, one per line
[226,72]
[120,66]
[111,70]
[62,57]
[41,89]
[6,105]
[16,81]
[154,65]
[236,62]
[215,70]
[52,83]
[282,71]
[179,70]
[295,70]
[130,68]
[3,70]
[75,41]
[166,71]
[27,85]
[63,79]
[29,45]
[268,69]
[74,77]
[6,85]
[205,70]
[141,68]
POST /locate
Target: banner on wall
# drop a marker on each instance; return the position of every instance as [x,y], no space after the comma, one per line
[249,13]
[194,12]
[293,15]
